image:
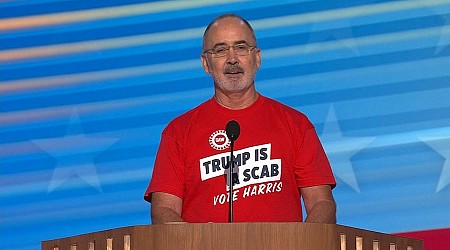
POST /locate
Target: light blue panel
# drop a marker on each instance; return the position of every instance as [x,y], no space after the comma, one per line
[83,103]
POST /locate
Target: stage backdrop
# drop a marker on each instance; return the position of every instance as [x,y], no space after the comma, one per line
[87,87]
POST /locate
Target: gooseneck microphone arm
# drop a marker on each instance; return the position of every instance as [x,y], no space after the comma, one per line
[233,130]
[230,184]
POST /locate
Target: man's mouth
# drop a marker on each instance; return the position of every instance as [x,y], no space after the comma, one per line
[233,70]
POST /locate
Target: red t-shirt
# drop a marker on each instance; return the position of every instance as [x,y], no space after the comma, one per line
[277,152]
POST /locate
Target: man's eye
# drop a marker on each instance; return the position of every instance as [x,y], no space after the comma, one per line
[220,50]
[241,47]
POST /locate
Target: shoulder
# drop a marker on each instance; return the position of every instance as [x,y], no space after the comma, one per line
[291,115]
[184,121]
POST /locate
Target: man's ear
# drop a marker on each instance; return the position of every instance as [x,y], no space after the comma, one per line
[205,63]
[258,58]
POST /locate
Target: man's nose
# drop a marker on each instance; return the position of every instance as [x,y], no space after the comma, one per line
[232,56]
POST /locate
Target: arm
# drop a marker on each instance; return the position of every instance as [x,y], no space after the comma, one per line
[319,204]
[165,208]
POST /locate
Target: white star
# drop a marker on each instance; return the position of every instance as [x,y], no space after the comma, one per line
[444,39]
[441,144]
[340,149]
[74,154]
[436,8]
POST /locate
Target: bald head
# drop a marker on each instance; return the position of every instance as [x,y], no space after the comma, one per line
[216,22]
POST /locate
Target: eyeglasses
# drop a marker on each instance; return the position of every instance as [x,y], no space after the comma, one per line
[222,50]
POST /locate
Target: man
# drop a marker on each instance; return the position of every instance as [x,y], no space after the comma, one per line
[279,158]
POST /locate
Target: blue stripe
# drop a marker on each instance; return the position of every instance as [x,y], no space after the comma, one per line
[28,8]
[138,121]
[351,63]
[148,27]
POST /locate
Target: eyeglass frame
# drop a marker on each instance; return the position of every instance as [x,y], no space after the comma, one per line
[227,48]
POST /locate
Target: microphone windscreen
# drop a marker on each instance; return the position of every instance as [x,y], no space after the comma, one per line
[233,130]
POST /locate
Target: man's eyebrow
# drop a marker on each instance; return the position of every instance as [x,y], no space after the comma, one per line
[234,43]
[219,44]
[240,42]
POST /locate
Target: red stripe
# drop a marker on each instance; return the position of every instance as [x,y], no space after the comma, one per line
[436,239]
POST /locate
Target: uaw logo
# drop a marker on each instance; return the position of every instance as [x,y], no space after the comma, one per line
[219,140]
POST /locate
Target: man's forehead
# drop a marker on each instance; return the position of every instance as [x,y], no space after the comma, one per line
[232,28]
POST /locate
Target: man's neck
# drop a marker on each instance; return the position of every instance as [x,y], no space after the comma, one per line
[236,101]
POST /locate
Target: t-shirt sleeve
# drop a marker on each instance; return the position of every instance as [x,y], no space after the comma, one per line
[168,171]
[312,167]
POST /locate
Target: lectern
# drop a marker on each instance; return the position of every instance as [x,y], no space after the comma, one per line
[231,236]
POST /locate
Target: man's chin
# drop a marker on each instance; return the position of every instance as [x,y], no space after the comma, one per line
[234,87]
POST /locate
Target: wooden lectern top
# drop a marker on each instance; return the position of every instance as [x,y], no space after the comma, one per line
[217,236]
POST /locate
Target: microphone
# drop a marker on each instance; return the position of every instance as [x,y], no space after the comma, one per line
[233,130]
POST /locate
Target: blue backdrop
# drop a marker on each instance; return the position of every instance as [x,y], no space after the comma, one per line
[87,87]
